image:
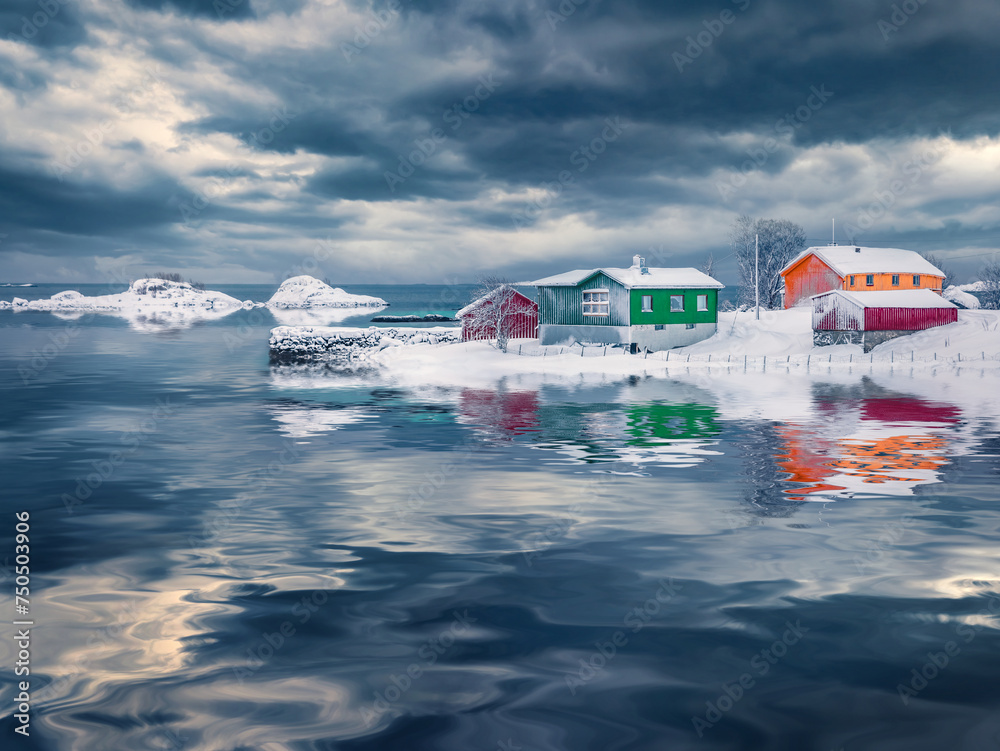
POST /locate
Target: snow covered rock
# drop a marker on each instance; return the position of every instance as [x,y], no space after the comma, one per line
[305,343]
[960,297]
[309,292]
[148,304]
[142,295]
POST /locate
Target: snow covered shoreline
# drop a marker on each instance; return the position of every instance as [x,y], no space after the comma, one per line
[780,340]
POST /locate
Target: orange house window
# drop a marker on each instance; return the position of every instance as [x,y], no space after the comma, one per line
[916,280]
[852,280]
[870,280]
[895,280]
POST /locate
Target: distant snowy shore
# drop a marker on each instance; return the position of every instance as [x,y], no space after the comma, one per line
[780,340]
[179,303]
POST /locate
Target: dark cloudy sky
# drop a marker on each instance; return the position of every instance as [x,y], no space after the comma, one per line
[432,140]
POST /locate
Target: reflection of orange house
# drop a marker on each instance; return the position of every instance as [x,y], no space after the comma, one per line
[895,443]
[852,268]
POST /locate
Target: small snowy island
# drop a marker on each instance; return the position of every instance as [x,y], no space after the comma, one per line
[159,303]
[309,292]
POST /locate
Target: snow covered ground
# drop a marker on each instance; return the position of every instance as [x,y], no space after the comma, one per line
[779,341]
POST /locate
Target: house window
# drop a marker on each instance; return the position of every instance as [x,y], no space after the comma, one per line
[647,303]
[677,303]
[870,280]
[658,327]
[595,302]
[702,302]
[916,280]
[895,280]
[689,325]
[852,280]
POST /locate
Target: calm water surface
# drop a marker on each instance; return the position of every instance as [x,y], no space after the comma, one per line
[227,555]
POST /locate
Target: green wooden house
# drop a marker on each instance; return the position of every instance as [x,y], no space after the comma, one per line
[640,307]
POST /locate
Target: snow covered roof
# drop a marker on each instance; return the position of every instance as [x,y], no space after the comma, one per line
[904,298]
[633,277]
[854,259]
[468,308]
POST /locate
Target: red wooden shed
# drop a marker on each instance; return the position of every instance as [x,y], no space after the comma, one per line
[906,310]
[519,313]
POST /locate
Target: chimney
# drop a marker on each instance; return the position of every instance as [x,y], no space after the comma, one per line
[857,250]
[638,262]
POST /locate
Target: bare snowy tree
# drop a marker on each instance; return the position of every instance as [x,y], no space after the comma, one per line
[935,260]
[708,266]
[780,241]
[989,296]
[494,309]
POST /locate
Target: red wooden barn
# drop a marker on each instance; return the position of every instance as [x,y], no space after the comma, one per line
[519,312]
[906,310]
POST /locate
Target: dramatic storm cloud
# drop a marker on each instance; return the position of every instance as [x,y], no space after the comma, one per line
[432,140]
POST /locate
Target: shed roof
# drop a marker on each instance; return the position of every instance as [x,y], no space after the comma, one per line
[489,297]
[633,278]
[854,259]
[904,298]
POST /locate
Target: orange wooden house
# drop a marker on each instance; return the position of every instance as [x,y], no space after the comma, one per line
[856,269]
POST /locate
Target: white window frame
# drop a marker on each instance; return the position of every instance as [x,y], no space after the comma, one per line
[702,303]
[646,309]
[596,307]
[673,309]
[916,280]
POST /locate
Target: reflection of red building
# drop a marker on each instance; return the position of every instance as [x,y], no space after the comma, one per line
[894,440]
[509,413]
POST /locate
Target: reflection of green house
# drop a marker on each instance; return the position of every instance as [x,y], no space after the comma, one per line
[641,307]
[656,424]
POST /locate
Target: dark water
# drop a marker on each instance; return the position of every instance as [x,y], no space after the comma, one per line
[230,556]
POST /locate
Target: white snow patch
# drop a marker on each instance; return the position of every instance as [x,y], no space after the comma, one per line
[959,296]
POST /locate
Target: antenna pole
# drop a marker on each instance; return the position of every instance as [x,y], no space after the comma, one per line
[756,272]
[834,220]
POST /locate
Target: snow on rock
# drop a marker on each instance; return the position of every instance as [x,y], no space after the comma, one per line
[148,304]
[959,296]
[142,295]
[303,343]
[309,292]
